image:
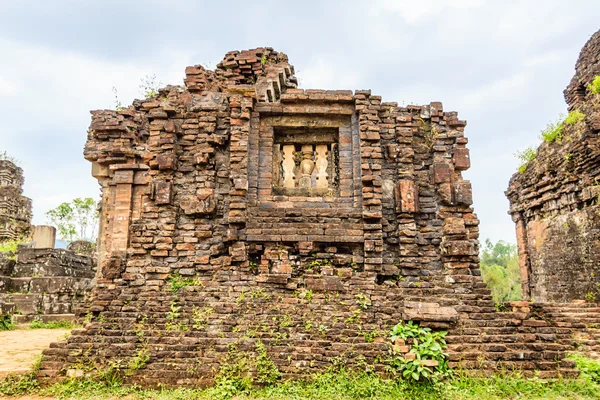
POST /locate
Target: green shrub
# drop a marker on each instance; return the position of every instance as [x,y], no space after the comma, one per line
[594,86]
[574,117]
[554,131]
[6,323]
[426,346]
[590,369]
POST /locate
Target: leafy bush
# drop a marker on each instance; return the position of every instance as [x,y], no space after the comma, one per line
[554,131]
[6,323]
[427,346]
[526,156]
[594,87]
[9,246]
[239,371]
[590,369]
[574,117]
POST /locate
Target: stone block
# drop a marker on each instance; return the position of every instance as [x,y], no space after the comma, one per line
[44,236]
[167,162]
[463,193]
[406,196]
[461,159]
[123,177]
[442,173]
[163,192]
[202,203]
[431,312]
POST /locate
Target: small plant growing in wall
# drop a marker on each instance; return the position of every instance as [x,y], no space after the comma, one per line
[139,361]
[177,281]
[200,317]
[417,353]
[4,156]
[149,86]
[363,300]
[118,105]
[526,156]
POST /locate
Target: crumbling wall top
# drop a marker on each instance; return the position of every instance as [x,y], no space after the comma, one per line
[586,68]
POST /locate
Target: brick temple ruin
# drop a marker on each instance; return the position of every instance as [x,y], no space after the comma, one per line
[555,201]
[239,208]
[38,281]
[15,209]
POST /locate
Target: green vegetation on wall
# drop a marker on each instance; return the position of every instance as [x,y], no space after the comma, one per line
[594,86]
[553,133]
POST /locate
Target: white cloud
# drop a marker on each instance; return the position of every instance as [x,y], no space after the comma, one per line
[7,88]
[327,74]
[413,12]
[495,91]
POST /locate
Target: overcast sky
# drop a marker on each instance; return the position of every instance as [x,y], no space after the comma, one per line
[501,64]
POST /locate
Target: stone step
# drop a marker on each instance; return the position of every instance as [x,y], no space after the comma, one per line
[24,303]
[60,284]
[40,270]
[23,319]
[7,308]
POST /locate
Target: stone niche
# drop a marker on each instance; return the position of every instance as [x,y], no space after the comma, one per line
[305,162]
[300,218]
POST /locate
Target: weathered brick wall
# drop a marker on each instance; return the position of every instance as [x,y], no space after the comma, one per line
[192,189]
[15,209]
[554,202]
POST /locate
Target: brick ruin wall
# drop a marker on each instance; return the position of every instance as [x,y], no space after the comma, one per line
[15,209]
[555,201]
[310,220]
[38,281]
[44,284]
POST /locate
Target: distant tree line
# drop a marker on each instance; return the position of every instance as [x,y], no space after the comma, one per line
[500,270]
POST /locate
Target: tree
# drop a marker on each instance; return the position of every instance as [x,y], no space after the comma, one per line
[75,220]
[500,270]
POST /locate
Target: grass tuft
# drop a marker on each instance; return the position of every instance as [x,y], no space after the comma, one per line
[39,324]
[340,384]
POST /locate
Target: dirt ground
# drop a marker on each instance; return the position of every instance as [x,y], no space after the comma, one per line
[19,348]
